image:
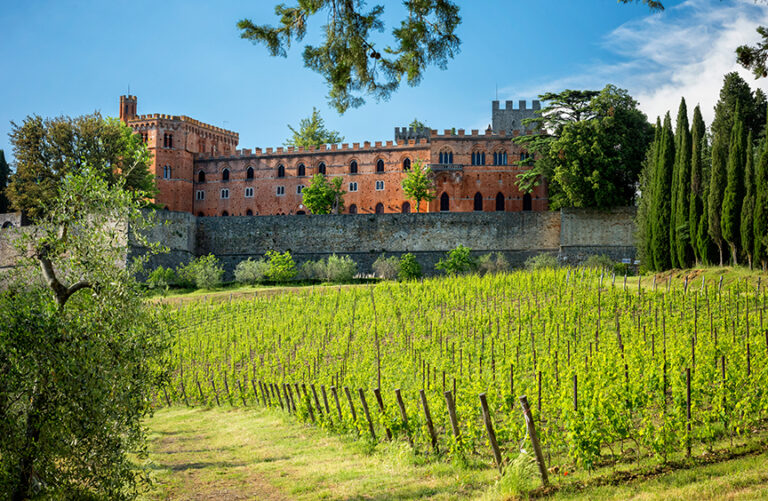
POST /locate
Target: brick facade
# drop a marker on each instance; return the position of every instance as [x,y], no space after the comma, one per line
[200,171]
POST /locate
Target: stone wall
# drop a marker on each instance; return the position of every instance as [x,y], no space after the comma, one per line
[584,232]
[177,232]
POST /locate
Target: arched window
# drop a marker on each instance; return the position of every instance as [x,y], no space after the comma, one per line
[353,167]
[301,170]
[201,177]
[200,214]
[249,212]
[445,157]
[380,165]
[300,213]
[405,208]
[444,202]
[249,173]
[500,158]
[167,172]
[7,224]
[478,158]
[321,168]
[225,213]
[353,209]
[407,164]
[478,202]
[527,202]
[379,208]
[281,171]
[500,202]
[225,175]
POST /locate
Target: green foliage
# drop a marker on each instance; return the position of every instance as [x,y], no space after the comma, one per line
[324,197]
[81,352]
[697,200]
[161,278]
[251,271]
[761,207]
[680,235]
[717,184]
[754,57]
[541,262]
[646,184]
[312,132]
[203,272]
[520,477]
[46,150]
[736,98]
[599,262]
[458,260]
[660,206]
[418,184]
[417,124]
[387,267]
[282,268]
[408,268]
[748,207]
[734,189]
[346,56]
[493,262]
[5,173]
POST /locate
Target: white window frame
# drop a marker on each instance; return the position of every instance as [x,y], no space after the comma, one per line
[280,191]
[224,194]
[249,193]
[200,195]
[352,187]
[379,185]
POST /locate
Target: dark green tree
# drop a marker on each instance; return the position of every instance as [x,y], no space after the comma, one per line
[661,209]
[697,227]
[734,189]
[418,184]
[323,196]
[312,133]
[736,93]
[5,173]
[643,220]
[417,124]
[682,188]
[347,56]
[717,182]
[748,207]
[754,57]
[46,150]
[760,221]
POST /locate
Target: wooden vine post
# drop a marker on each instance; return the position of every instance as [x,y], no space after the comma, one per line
[428,418]
[534,440]
[489,429]
[367,413]
[403,414]
[380,401]
[451,405]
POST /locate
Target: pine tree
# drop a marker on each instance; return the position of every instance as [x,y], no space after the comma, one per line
[696,202]
[680,231]
[760,222]
[716,190]
[748,207]
[661,208]
[734,189]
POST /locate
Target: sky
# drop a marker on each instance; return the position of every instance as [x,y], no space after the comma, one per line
[185,57]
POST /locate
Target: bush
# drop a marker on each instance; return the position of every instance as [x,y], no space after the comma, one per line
[251,272]
[311,270]
[408,268]
[340,269]
[493,262]
[458,260]
[161,278]
[541,261]
[387,267]
[202,273]
[281,266]
[599,262]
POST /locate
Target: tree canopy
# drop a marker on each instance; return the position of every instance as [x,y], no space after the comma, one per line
[312,132]
[323,196]
[47,149]
[5,173]
[418,184]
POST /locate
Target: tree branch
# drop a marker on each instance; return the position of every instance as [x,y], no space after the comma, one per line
[62,292]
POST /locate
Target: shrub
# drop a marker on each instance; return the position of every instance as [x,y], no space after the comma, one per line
[281,266]
[458,260]
[408,268]
[203,273]
[340,269]
[387,267]
[600,262]
[541,261]
[250,271]
[311,270]
[161,278]
[493,262]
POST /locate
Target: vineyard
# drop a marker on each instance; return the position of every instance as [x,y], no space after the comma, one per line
[611,372]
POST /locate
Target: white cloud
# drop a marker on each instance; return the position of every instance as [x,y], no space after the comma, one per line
[683,52]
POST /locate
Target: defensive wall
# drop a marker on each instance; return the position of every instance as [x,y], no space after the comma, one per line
[571,234]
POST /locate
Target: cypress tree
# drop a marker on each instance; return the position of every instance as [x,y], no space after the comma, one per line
[696,202]
[661,207]
[760,222]
[5,173]
[646,183]
[680,231]
[748,207]
[734,189]
[717,180]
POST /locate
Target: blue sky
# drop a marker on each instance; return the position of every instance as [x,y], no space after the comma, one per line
[186,57]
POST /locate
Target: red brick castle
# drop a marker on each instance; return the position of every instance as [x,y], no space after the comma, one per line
[200,170]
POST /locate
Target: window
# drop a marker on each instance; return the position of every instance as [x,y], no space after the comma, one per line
[444,202]
[379,208]
[405,208]
[445,157]
[224,213]
[144,137]
[200,195]
[407,164]
[524,157]
[352,187]
[299,189]
[478,205]
[353,167]
[353,209]
[380,165]
[500,158]
[280,191]
[379,185]
[167,172]
[225,193]
[527,202]
[500,202]
[249,173]
[7,224]
[200,214]
[478,158]
[249,193]
[301,170]
[321,168]
[167,140]
[201,177]
[280,171]
[249,212]
[225,175]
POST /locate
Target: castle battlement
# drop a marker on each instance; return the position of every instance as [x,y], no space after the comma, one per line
[184,119]
[510,119]
[522,105]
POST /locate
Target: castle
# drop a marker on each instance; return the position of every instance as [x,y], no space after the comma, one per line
[199,169]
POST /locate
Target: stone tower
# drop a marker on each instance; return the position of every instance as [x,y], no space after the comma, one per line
[128,106]
[509,119]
